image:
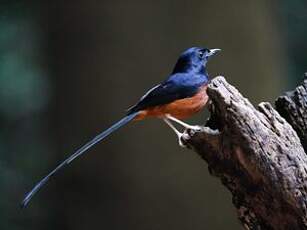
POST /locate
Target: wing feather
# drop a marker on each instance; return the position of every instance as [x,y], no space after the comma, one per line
[166,92]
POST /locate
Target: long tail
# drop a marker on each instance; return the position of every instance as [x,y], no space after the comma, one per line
[76,154]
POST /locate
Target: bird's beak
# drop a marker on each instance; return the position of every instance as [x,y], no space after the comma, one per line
[213,52]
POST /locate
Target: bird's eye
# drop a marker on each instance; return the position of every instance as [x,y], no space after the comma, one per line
[201,53]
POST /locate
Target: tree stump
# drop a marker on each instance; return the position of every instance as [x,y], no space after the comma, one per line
[258,154]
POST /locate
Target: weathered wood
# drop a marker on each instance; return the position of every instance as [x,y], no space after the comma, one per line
[257,155]
[293,107]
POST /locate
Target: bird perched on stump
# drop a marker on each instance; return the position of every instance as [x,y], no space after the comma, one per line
[180,96]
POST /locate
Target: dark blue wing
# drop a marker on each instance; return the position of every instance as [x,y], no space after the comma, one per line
[175,88]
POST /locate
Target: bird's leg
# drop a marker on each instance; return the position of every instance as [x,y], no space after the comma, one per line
[179,134]
[185,125]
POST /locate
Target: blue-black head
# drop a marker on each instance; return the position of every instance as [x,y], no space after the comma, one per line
[194,60]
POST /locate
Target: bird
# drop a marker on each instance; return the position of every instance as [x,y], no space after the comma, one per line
[180,96]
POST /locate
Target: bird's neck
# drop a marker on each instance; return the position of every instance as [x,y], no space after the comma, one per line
[196,70]
[183,67]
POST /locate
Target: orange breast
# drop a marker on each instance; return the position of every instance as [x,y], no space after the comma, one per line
[182,108]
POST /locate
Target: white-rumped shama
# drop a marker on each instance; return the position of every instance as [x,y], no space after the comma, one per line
[180,96]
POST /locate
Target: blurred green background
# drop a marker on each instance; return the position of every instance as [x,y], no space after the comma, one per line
[69,70]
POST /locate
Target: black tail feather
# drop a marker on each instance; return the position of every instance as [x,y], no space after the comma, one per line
[78,153]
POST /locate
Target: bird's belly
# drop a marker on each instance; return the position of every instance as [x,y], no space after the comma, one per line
[182,108]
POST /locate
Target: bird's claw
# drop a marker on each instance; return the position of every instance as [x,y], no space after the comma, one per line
[194,127]
[181,143]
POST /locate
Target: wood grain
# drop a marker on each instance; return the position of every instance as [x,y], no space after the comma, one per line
[258,156]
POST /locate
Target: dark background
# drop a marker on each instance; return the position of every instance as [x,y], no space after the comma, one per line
[70,69]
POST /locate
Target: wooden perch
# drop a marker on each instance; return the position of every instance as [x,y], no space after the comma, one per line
[258,155]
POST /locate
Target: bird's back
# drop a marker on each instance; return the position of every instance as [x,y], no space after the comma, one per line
[178,86]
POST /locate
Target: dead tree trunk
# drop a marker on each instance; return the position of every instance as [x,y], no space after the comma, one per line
[258,154]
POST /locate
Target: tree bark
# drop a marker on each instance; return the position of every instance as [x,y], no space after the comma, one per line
[258,154]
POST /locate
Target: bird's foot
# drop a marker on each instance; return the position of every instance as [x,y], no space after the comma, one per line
[180,140]
[183,124]
[193,127]
[181,144]
[189,129]
[178,133]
